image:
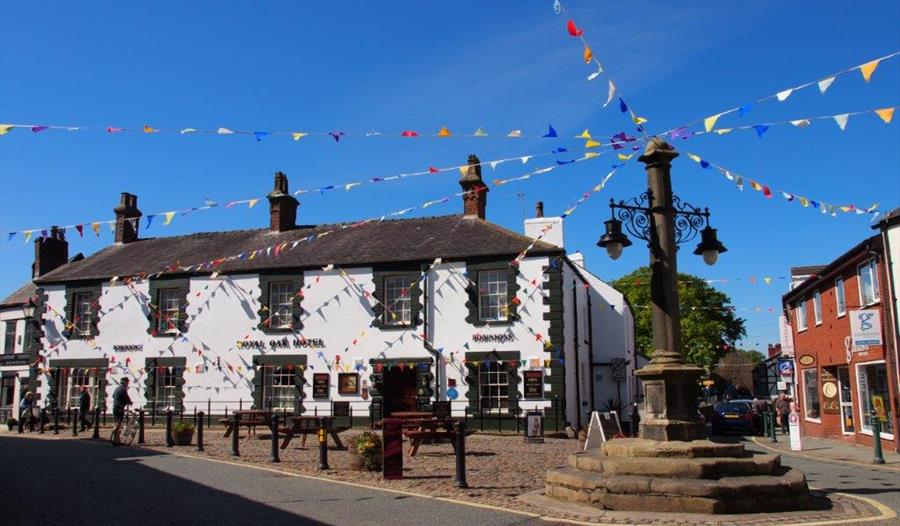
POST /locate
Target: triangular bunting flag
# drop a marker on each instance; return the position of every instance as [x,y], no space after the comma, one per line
[868,68]
[783,95]
[480,132]
[588,54]
[298,135]
[584,135]
[224,131]
[841,120]
[551,132]
[611,94]
[514,133]
[573,29]
[710,122]
[824,84]
[886,114]
[5,128]
[801,123]
[444,132]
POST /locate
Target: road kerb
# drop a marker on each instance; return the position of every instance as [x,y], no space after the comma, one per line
[807,456]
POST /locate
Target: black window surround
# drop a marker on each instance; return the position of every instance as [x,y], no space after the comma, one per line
[152,365]
[513,378]
[297,361]
[182,286]
[512,288]
[69,332]
[413,277]
[265,313]
[101,364]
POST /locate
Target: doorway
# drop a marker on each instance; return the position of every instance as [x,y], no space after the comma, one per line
[843,374]
[399,390]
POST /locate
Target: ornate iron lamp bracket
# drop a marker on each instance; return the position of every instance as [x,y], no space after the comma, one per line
[635,215]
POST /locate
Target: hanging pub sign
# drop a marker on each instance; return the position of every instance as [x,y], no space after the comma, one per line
[283,343]
[830,402]
[534,384]
[865,327]
[321,385]
[348,383]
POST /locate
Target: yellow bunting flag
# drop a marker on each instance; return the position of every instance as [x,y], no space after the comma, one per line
[639,120]
[886,114]
[444,132]
[169,216]
[28,234]
[149,129]
[767,280]
[298,135]
[722,131]
[590,143]
[584,135]
[804,202]
[348,186]
[623,157]
[480,132]
[868,68]
[96,228]
[710,122]
[756,186]
[4,128]
[588,54]
[251,203]
[591,155]
[694,157]
[463,170]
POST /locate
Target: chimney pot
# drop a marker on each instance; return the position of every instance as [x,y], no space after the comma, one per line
[475,198]
[282,205]
[539,209]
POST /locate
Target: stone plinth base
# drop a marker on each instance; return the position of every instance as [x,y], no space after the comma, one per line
[686,477]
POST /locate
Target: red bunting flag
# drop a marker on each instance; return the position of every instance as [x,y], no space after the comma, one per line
[574,30]
[767,192]
[80,229]
[433,170]
[409,133]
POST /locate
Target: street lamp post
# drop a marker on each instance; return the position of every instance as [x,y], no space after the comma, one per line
[664,221]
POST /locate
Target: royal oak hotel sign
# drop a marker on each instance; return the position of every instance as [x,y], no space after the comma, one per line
[283,343]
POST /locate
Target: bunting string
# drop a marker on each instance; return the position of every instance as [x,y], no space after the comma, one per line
[886,115]
[769,192]
[866,70]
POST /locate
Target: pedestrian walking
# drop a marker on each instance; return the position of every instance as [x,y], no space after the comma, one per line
[84,407]
[759,412]
[26,411]
[783,407]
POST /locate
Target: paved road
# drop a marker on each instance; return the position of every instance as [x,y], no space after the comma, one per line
[73,483]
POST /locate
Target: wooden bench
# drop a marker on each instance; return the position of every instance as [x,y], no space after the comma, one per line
[309,425]
[248,419]
[417,436]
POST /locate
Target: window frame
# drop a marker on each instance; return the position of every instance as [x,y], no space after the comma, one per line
[864,400]
[501,387]
[415,281]
[73,391]
[473,271]
[165,388]
[164,322]
[840,298]
[801,316]
[405,301]
[82,317]
[817,307]
[872,266]
[501,296]
[70,330]
[265,302]
[284,373]
[7,347]
[806,397]
[281,304]
[181,288]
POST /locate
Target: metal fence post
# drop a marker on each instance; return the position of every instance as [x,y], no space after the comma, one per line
[169,441]
[275,439]
[43,419]
[75,423]
[460,481]
[774,434]
[235,431]
[96,435]
[876,437]
[208,412]
[140,426]
[200,431]
[323,445]
[56,421]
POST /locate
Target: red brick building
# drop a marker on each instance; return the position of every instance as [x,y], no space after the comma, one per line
[840,381]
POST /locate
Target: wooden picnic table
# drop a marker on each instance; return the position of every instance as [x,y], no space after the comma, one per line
[249,418]
[308,425]
[428,428]
[411,414]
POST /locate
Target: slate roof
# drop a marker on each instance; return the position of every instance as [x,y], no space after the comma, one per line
[19,297]
[452,237]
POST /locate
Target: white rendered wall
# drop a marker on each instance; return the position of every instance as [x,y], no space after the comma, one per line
[14,314]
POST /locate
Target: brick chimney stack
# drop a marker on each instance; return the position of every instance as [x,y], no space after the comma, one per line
[50,252]
[128,219]
[475,200]
[282,206]
[539,209]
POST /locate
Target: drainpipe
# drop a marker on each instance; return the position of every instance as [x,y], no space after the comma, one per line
[890,308]
[577,367]
[590,342]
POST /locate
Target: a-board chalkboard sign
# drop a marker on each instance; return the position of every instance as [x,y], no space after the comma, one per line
[534,384]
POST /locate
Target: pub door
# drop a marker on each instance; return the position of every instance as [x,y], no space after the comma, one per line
[399,390]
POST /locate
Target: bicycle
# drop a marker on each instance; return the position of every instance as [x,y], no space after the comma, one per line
[127,430]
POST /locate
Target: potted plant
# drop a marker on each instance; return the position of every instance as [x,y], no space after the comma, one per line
[11,423]
[365,452]
[182,433]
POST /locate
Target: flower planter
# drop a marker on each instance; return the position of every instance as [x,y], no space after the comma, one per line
[183,438]
[357,463]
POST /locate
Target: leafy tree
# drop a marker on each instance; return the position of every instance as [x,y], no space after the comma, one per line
[709,326]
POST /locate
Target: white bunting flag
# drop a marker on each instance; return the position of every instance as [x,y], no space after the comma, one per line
[783,95]
[612,93]
[824,84]
[841,120]
[801,123]
[525,159]
[224,131]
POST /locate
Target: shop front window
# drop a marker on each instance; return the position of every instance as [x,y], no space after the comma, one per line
[811,393]
[872,380]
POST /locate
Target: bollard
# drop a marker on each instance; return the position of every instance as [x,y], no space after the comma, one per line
[169,441]
[56,421]
[21,422]
[876,437]
[773,436]
[96,424]
[275,439]
[235,448]
[140,426]
[200,431]
[766,422]
[323,446]
[43,418]
[75,422]
[460,481]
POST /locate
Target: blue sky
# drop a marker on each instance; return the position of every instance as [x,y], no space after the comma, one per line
[361,66]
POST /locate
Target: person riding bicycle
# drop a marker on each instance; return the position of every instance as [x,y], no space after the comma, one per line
[121,400]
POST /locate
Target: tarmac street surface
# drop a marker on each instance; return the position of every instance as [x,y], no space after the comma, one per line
[76,482]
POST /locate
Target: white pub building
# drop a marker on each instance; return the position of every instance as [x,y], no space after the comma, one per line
[388,315]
